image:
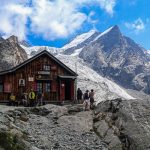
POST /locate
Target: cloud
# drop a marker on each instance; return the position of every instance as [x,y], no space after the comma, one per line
[50,19]
[137,26]
[108,5]
[13,18]
[91,19]
[55,19]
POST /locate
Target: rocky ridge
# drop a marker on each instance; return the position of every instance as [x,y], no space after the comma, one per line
[11,53]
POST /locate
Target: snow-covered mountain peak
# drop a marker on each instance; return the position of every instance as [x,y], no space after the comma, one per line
[31,51]
[111,29]
[80,39]
[147,51]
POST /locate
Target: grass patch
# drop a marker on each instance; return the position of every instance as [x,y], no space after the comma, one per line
[10,142]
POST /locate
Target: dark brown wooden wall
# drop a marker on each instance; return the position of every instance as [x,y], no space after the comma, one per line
[30,70]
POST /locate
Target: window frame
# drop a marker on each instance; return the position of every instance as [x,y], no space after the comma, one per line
[48,87]
[46,67]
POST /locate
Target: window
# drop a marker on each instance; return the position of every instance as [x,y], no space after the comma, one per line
[39,87]
[46,67]
[7,87]
[47,87]
[1,87]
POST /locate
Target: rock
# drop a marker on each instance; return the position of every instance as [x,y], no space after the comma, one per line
[102,128]
[11,53]
[10,118]
[16,132]
[128,121]
[106,131]
[75,108]
[113,140]
[24,118]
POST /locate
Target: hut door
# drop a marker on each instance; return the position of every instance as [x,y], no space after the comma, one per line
[62,91]
[67,90]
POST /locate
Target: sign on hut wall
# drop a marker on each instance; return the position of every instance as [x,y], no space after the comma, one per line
[21,82]
[44,72]
[31,79]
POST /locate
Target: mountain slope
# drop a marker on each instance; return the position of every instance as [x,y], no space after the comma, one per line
[110,54]
[116,50]
[80,42]
[118,57]
[11,53]
[89,79]
[74,47]
[33,50]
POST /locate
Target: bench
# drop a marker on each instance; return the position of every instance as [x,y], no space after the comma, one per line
[7,102]
[4,102]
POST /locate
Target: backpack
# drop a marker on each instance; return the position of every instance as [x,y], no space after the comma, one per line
[86,96]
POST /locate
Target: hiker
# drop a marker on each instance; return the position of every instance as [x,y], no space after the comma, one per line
[25,99]
[19,98]
[79,95]
[31,98]
[40,99]
[12,100]
[91,96]
[86,102]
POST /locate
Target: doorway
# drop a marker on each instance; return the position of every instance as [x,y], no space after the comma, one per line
[67,90]
[45,88]
[66,87]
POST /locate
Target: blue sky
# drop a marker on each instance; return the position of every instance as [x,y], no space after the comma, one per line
[56,22]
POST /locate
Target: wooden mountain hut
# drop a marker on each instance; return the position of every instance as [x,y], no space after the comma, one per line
[43,73]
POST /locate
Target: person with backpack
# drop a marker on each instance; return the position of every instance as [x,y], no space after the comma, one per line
[32,98]
[25,99]
[79,95]
[40,97]
[12,100]
[86,102]
[91,96]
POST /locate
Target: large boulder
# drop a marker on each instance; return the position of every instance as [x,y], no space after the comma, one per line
[124,124]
